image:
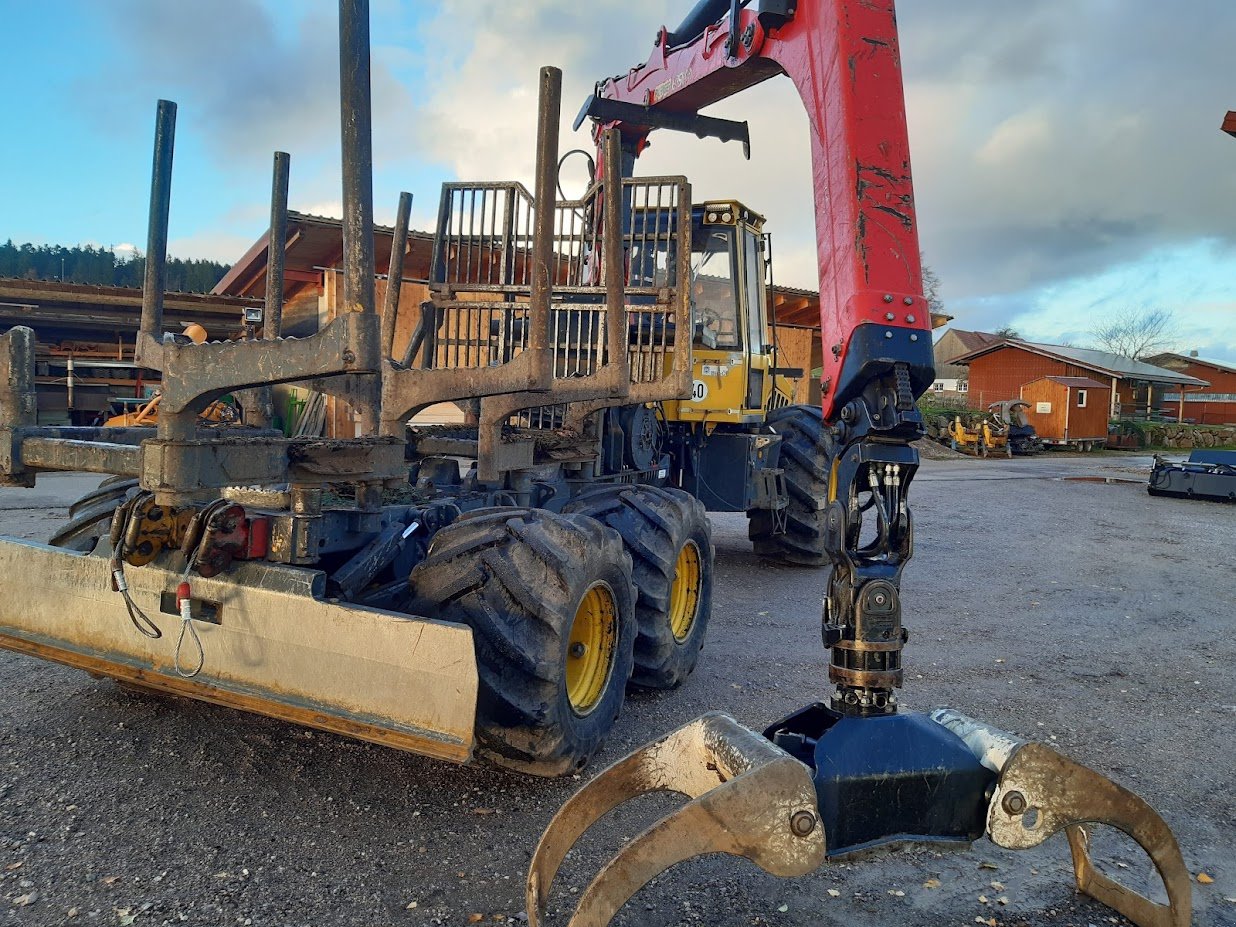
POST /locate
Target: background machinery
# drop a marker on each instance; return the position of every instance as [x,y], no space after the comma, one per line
[1207,474]
[851,771]
[967,439]
[1011,421]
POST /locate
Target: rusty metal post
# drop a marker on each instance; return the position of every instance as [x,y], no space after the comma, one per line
[394,275]
[356,122]
[258,403]
[614,258]
[19,402]
[426,333]
[356,128]
[156,235]
[276,248]
[548,111]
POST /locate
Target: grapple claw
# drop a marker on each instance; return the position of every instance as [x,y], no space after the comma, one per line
[1066,796]
[748,798]
[1040,793]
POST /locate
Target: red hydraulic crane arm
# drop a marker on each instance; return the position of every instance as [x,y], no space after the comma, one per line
[843,57]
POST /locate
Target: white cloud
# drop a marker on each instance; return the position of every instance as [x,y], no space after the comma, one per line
[1023,136]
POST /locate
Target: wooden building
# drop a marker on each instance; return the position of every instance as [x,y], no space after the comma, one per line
[999,371]
[953,380]
[1210,405]
[1068,410]
[84,341]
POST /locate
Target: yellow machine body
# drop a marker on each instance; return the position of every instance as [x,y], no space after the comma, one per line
[734,378]
[966,440]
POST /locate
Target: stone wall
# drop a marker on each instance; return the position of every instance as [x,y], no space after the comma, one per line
[1189,436]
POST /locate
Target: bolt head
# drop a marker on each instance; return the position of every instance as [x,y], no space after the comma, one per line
[888,297]
[888,334]
[889,316]
[578,650]
[1014,803]
[909,300]
[802,823]
[910,319]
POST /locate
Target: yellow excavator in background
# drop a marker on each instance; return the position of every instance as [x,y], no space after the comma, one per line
[967,440]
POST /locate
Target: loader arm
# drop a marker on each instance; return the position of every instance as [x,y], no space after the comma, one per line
[879,776]
[843,59]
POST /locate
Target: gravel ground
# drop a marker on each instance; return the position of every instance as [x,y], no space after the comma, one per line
[1083,614]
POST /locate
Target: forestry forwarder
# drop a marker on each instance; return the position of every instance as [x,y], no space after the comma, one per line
[851,772]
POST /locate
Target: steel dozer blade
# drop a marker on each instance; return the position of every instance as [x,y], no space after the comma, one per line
[1039,793]
[748,798]
[270,644]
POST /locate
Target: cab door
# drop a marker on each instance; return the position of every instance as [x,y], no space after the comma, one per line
[751,306]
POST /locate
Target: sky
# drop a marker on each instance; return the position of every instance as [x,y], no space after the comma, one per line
[1066,153]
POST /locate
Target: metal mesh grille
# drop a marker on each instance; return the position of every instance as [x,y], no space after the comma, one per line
[482,281]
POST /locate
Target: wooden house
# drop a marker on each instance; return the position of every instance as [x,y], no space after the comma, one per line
[1068,410]
[999,371]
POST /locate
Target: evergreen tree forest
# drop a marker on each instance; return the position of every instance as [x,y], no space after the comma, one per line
[101,266]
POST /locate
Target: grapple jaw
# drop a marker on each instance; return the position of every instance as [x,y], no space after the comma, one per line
[1039,793]
[750,798]
[747,798]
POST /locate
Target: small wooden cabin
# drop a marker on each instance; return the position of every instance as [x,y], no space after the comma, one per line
[1068,410]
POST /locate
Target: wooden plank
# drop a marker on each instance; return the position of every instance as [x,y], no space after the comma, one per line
[795,350]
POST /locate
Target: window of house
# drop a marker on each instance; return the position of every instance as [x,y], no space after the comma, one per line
[1081,399]
[938,386]
[963,386]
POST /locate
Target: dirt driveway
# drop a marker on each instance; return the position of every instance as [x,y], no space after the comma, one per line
[1083,614]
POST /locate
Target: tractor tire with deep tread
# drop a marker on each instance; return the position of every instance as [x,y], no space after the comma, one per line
[669,537]
[519,578]
[804,461]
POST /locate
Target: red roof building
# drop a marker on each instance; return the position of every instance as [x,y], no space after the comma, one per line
[999,371]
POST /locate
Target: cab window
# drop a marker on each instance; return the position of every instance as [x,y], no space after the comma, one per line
[714,290]
[753,271]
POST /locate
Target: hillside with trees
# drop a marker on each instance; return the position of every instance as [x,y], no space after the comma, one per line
[102,266]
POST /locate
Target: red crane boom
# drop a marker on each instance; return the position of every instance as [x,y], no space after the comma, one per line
[844,60]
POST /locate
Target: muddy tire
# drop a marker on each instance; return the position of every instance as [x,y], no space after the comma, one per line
[669,538]
[804,461]
[551,605]
[90,517]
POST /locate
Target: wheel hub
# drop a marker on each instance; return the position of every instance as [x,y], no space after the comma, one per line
[592,648]
[685,591]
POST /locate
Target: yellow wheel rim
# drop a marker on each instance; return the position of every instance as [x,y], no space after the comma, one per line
[591,649]
[685,591]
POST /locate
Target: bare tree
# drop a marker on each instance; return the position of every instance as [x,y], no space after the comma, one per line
[1007,331]
[931,288]
[1136,333]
